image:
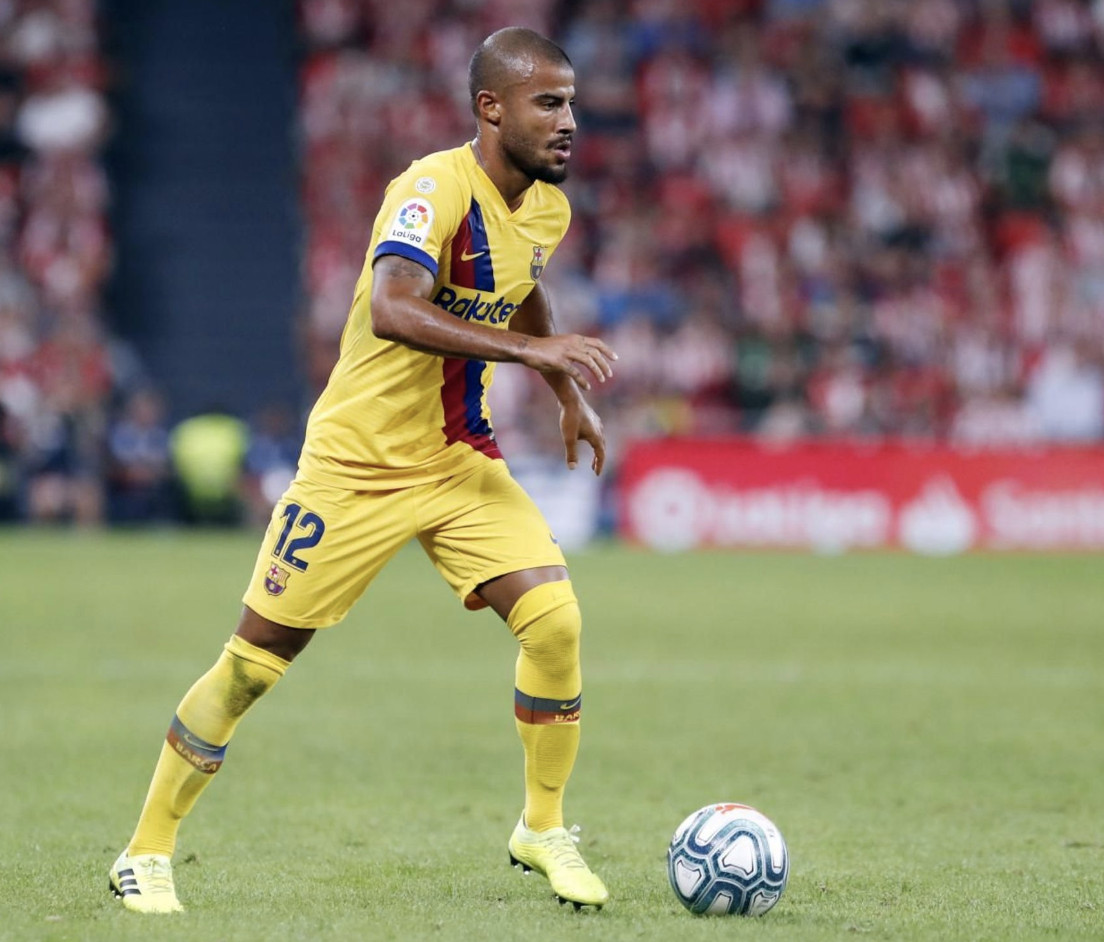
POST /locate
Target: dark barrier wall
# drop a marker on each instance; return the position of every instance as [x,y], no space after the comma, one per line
[206,216]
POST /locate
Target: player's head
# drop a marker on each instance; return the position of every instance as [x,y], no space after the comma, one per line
[522,86]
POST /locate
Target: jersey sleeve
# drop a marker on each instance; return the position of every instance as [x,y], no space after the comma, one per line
[421,210]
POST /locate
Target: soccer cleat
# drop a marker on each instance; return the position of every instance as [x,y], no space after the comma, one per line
[144,883]
[553,854]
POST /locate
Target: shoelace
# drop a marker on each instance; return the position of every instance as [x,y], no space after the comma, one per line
[158,876]
[562,845]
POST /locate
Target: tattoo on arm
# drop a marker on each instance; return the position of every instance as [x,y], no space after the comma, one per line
[396,267]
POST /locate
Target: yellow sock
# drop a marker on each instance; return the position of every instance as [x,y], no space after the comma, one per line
[547,696]
[196,741]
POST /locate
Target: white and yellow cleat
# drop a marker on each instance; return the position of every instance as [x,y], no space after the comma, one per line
[144,883]
[553,854]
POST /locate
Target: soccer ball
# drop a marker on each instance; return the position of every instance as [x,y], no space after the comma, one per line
[728,858]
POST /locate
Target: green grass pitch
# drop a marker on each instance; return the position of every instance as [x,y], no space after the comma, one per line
[928,735]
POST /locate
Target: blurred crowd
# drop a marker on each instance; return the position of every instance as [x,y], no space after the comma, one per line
[85,435]
[791,217]
[56,366]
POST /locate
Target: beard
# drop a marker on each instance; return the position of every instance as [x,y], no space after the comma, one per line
[551,174]
[537,163]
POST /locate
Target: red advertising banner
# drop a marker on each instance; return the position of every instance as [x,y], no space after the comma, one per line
[827,496]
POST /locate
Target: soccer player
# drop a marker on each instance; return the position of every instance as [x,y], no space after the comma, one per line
[399,445]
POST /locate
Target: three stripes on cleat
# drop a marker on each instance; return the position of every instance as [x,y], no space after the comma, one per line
[128,884]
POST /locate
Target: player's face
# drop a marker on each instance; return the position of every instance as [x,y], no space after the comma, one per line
[537,123]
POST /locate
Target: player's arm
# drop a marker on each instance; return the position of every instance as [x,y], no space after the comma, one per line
[402,312]
[578,421]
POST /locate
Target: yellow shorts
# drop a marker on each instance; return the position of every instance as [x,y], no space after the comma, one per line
[325,545]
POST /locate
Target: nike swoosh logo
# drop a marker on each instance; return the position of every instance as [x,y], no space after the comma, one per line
[571,706]
[465,257]
[196,743]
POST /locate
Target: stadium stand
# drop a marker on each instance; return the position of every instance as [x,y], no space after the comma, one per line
[57,367]
[792,217]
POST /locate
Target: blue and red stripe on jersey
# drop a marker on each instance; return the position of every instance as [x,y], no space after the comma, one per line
[471,253]
[462,401]
[462,387]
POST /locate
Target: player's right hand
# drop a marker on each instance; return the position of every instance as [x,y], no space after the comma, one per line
[578,356]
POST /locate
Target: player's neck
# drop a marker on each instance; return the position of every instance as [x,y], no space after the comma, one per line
[510,182]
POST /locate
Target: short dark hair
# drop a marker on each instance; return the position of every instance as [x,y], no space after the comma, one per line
[500,56]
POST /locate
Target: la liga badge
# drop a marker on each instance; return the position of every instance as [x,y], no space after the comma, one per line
[412,221]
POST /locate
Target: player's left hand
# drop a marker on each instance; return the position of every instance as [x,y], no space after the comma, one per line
[579,422]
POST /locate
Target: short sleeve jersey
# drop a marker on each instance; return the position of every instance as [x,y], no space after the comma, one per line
[391,416]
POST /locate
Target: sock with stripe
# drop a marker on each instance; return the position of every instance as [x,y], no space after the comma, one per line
[196,742]
[547,696]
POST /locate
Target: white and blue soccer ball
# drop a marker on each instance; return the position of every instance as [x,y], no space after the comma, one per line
[728,858]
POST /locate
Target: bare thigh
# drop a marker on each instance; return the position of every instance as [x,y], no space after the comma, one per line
[502,594]
[277,639]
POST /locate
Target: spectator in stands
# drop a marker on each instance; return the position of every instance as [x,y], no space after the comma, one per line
[139,470]
[10,472]
[1065,393]
[70,368]
[12,148]
[208,454]
[275,437]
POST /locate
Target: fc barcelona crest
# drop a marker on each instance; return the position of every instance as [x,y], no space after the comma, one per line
[536,266]
[276,580]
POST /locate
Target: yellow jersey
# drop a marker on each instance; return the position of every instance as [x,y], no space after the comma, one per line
[391,416]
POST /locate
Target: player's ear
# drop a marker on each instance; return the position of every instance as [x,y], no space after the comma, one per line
[488,107]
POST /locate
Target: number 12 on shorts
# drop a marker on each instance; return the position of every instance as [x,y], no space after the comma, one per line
[295,519]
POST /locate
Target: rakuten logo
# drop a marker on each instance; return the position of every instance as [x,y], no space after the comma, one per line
[473,308]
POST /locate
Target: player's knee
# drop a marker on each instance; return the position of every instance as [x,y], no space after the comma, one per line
[250,673]
[547,622]
[553,637]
